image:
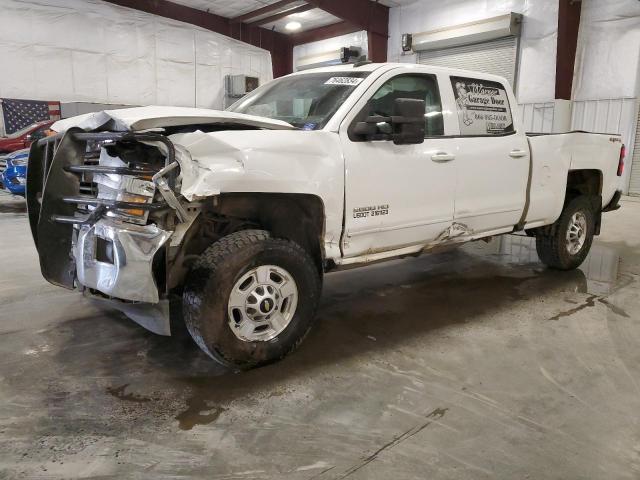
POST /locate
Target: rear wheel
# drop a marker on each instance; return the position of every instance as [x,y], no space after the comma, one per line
[571,236]
[250,299]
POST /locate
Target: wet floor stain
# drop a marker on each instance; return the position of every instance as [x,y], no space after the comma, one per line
[589,302]
[614,308]
[431,417]
[119,393]
[198,412]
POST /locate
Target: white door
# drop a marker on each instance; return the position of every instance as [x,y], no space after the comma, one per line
[492,157]
[397,195]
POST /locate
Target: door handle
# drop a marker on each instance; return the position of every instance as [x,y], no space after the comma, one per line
[517,153]
[442,157]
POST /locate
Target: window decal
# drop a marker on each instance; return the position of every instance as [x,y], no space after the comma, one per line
[482,106]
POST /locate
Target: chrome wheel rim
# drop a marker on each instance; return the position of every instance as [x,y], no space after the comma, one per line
[262,303]
[576,233]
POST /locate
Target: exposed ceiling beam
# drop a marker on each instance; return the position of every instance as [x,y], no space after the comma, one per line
[278,16]
[368,15]
[322,33]
[274,7]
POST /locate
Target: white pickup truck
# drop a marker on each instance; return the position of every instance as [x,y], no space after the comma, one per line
[239,214]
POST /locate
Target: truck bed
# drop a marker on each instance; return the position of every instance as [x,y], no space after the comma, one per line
[554,155]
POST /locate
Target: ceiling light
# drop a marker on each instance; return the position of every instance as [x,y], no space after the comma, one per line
[292,26]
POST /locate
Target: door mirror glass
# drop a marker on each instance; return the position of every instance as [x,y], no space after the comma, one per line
[374,127]
[408,121]
[406,126]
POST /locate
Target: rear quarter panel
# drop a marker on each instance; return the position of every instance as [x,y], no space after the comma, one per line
[553,156]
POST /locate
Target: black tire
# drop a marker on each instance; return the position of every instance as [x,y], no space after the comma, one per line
[552,247]
[209,285]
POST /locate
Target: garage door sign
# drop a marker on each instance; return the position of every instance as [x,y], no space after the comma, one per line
[482,105]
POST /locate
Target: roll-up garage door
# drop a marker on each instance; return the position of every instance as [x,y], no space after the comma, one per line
[497,57]
[634,184]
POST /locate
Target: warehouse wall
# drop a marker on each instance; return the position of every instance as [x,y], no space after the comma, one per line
[90,51]
[606,83]
[538,42]
[608,58]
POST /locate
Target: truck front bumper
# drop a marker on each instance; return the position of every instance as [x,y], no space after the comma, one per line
[116,259]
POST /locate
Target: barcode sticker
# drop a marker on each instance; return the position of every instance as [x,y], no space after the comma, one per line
[348,81]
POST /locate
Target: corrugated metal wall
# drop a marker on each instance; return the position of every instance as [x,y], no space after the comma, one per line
[537,117]
[611,115]
[634,183]
[633,159]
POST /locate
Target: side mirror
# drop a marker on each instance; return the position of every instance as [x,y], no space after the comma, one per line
[405,127]
[408,121]
[365,129]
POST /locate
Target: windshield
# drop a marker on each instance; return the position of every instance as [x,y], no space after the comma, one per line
[306,101]
[22,131]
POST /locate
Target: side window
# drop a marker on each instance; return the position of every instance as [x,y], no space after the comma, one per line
[419,87]
[482,106]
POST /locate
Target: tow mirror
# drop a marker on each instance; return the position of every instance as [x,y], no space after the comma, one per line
[366,128]
[408,121]
[406,126]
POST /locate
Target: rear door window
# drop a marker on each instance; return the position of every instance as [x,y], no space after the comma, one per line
[482,106]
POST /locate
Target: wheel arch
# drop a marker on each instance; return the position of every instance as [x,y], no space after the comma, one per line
[587,182]
[584,182]
[294,216]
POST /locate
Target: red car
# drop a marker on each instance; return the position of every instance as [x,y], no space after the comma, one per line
[23,138]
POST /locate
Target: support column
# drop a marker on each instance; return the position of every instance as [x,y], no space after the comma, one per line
[568,28]
[377,47]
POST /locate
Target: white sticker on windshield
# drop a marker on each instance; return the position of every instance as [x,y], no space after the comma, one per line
[348,81]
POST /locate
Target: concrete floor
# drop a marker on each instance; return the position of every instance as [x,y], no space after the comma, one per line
[476,363]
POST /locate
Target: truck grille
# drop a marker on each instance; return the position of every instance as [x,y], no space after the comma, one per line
[65,180]
[82,159]
[87,185]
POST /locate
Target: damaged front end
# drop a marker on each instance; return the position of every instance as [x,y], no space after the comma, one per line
[101,209]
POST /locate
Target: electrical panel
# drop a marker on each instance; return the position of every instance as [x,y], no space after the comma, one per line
[236,86]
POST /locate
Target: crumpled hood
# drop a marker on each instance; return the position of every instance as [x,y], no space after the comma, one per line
[145,118]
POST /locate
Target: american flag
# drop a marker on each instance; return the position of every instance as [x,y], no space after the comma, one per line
[22,113]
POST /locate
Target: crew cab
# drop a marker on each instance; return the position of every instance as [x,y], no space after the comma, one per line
[238,214]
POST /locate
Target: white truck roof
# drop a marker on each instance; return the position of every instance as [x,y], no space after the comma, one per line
[383,67]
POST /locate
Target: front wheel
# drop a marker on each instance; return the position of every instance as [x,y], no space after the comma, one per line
[569,242]
[250,299]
